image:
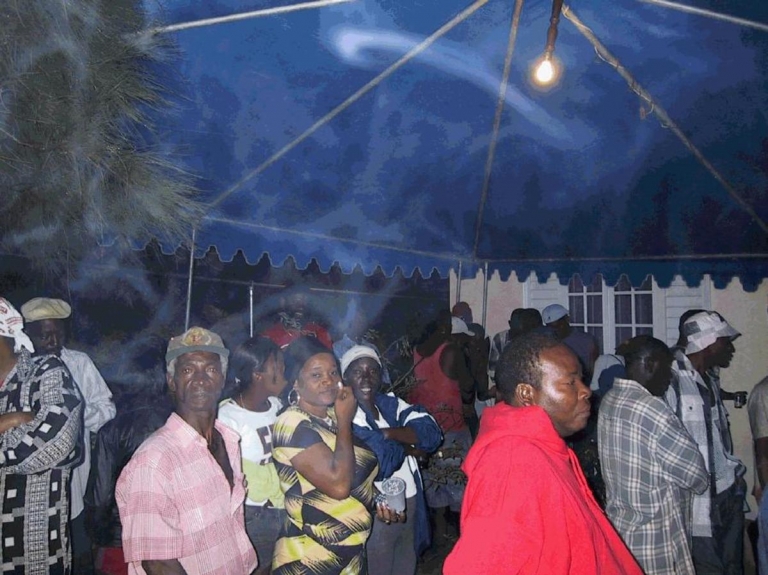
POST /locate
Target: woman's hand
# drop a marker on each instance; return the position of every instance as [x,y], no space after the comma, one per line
[388,516]
[345,406]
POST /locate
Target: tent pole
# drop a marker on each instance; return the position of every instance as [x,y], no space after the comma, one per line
[485,293]
[250,307]
[458,285]
[661,114]
[189,280]
[497,120]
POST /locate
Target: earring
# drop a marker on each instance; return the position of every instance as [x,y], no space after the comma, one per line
[293,400]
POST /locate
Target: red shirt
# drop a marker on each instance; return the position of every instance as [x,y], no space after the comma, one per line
[527,508]
[283,336]
[176,503]
[437,392]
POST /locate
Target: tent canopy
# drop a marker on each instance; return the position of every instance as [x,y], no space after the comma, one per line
[585,178]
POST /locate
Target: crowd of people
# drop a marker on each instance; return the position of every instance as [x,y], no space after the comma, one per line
[295,453]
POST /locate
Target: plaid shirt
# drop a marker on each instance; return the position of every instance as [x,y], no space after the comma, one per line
[175,503]
[650,465]
[498,344]
[699,407]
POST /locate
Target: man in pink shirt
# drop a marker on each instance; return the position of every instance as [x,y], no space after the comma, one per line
[181,496]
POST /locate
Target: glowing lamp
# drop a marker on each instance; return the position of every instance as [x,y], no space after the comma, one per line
[546,72]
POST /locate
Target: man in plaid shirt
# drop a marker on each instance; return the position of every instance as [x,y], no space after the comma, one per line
[651,465]
[181,496]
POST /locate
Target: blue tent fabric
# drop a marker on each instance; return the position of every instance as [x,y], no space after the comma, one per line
[585,179]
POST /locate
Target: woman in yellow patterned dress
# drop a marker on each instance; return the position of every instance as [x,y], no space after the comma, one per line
[326,474]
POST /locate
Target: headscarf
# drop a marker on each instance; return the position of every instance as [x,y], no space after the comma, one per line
[12,325]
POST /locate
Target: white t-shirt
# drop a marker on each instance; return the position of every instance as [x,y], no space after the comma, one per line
[255,431]
[408,467]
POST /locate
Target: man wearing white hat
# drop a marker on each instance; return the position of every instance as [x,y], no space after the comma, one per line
[46,324]
[694,394]
[583,344]
[40,441]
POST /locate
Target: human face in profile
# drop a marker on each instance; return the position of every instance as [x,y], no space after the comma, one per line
[562,393]
[272,375]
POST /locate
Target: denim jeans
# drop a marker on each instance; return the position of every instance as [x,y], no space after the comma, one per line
[263,527]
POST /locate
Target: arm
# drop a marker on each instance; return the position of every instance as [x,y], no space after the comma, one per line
[454,365]
[150,519]
[493,358]
[429,436]
[100,495]
[404,435]
[330,472]
[679,456]
[761,461]
[99,407]
[506,514]
[52,438]
[168,567]
[388,451]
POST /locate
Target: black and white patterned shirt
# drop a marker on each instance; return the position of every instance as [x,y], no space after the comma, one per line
[36,460]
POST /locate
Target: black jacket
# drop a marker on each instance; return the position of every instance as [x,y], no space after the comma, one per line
[116,443]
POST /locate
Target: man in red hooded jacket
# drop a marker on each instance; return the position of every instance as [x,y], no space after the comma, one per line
[527,507]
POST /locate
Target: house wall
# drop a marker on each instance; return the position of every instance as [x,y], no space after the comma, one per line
[746,311]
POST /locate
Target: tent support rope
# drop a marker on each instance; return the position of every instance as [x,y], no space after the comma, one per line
[408,56]
[709,14]
[662,115]
[497,121]
[242,16]
[189,279]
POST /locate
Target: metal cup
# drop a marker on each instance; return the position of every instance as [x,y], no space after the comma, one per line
[740,399]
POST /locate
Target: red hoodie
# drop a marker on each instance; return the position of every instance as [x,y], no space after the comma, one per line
[527,507]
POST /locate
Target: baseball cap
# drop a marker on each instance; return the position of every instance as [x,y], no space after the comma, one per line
[703,329]
[195,339]
[458,325]
[553,312]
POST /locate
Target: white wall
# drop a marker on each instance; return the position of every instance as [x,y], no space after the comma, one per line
[504,295]
[747,313]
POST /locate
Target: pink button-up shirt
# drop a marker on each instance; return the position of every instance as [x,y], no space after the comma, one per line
[176,503]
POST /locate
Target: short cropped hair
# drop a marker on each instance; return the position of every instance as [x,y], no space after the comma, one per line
[640,346]
[520,362]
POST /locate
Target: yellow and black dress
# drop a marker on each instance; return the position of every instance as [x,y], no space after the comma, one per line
[322,535]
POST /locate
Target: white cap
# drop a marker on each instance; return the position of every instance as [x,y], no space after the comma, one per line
[356,352]
[458,325]
[553,313]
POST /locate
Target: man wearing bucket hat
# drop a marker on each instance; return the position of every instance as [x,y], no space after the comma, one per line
[45,320]
[694,394]
[181,496]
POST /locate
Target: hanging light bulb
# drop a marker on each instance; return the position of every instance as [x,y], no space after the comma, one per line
[547,72]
